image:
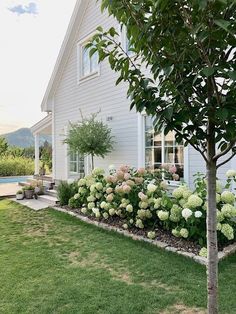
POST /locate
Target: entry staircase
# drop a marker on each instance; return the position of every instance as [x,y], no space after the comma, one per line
[50,194]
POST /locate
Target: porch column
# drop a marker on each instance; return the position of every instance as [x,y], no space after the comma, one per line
[36,152]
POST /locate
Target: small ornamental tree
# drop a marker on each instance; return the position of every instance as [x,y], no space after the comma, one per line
[188,47]
[90,137]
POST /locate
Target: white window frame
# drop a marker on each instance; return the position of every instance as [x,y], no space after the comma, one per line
[124,40]
[142,151]
[76,162]
[80,77]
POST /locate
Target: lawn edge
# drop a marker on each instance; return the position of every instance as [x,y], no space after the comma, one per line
[162,245]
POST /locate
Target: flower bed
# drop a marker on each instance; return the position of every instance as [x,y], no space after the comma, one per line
[139,201]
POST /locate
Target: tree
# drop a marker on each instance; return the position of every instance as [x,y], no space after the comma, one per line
[90,137]
[188,49]
[46,154]
[3,146]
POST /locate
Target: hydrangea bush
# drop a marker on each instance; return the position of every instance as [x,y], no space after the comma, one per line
[141,199]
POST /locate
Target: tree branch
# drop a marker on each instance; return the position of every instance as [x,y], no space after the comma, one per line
[193,145]
[225,151]
[225,161]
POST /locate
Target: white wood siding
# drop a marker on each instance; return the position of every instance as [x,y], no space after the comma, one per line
[91,96]
[101,93]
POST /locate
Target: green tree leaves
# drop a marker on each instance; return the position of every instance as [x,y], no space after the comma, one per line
[90,137]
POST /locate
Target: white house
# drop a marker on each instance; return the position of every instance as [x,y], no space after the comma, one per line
[77,83]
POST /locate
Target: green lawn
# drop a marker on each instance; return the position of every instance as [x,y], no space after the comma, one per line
[53,263]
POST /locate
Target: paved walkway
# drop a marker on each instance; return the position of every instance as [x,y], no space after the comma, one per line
[9,189]
[33,204]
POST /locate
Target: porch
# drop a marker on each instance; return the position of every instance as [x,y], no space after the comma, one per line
[43,127]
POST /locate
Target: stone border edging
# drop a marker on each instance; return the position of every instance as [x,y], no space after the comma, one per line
[199,259]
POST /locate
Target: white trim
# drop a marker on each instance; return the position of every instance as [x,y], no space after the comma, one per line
[66,155]
[42,125]
[80,77]
[141,141]
[36,153]
[53,142]
[186,164]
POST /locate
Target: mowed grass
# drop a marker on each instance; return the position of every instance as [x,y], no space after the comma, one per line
[53,263]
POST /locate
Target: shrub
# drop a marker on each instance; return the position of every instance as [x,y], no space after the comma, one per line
[16,166]
[74,203]
[65,191]
[141,199]
[28,188]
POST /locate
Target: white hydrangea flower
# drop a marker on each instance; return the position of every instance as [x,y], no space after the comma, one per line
[178,193]
[129,208]
[218,198]
[105,215]
[84,210]
[151,234]
[175,233]
[198,214]
[143,205]
[194,201]
[228,197]
[157,203]
[151,187]
[77,196]
[163,185]
[227,210]
[187,193]
[227,231]
[103,204]
[98,172]
[96,212]
[112,211]
[184,233]
[231,173]
[162,215]
[139,224]
[99,186]
[186,213]
[81,182]
[91,198]
[131,221]
[125,226]
[203,252]
[91,205]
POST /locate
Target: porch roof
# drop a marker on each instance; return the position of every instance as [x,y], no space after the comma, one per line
[44,126]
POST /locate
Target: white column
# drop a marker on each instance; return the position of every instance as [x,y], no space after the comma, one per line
[36,151]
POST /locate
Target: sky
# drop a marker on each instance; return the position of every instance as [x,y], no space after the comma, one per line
[31,34]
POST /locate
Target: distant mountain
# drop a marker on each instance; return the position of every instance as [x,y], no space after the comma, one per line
[24,138]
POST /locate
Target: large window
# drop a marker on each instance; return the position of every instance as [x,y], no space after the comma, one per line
[162,149]
[76,164]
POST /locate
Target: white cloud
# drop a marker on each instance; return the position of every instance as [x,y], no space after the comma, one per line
[19,9]
[29,48]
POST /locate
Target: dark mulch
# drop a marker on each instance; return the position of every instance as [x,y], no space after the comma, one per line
[161,235]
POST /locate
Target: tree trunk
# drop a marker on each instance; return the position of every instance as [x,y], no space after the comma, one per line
[92,161]
[212,247]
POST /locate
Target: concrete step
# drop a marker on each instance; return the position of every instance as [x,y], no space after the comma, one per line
[51,193]
[51,200]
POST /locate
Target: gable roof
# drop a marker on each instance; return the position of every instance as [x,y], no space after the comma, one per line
[63,56]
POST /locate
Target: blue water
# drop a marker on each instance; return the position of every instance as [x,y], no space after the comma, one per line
[13,179]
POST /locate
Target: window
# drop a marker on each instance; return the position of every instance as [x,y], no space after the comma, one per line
[87,66]
[76,164]
[126,42]
[162,149]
